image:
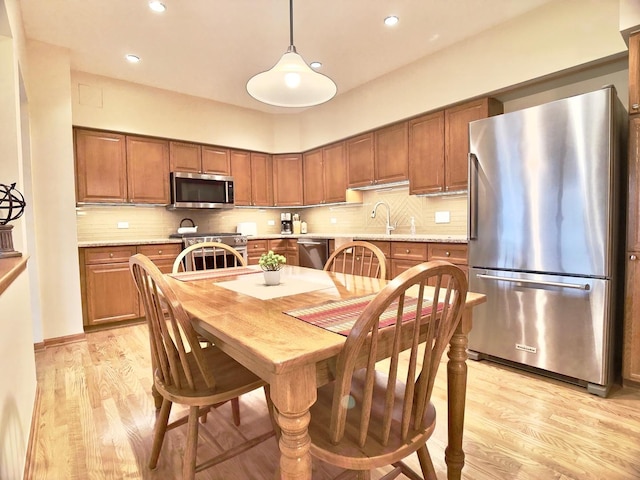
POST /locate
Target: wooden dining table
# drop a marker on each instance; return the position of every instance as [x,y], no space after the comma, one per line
[247,320]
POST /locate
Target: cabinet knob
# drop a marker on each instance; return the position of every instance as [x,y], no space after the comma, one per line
[448,254]
[635,106]
[111,255]
[408,251]
[632,257]
[159,252]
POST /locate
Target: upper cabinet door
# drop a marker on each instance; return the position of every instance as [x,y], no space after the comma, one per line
[241,172]
[215,160]
[101,168]
[335,173]
[426,154]
[184,157]
[287,180]
[457,139]
[148,170]
[261,180]
[360,160]
[634,73]
[313,177]
[633,210]
[391,153]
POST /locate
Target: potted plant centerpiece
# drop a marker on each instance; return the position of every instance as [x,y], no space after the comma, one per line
[272,263]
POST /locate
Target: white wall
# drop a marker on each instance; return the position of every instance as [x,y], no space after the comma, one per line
[17,376]
[557,37]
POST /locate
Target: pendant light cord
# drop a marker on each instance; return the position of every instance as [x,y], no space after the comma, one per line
[291,23]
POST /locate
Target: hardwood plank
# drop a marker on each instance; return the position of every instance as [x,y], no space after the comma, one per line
[96,418]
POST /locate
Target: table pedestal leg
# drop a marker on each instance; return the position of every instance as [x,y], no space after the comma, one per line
[456,397]
[292,395]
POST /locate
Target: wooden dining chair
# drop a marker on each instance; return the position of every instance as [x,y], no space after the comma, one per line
[229,257]
[195,256]
[185,372]
[358,258]
[372,416]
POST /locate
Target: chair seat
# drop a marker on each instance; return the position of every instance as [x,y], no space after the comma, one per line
[232,380]
[348,453]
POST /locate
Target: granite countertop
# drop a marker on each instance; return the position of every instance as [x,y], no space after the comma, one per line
[357,236]
[399,237]
[128,241]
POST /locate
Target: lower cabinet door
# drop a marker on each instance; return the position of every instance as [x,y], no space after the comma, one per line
[111,294]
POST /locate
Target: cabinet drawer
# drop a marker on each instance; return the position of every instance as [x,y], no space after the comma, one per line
[161,251]
[409,251]
[257,246]
[454,253]
[384,246]
[96,255]
[278,244]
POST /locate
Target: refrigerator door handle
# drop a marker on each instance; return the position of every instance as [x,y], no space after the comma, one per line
[577,286]
[472,221]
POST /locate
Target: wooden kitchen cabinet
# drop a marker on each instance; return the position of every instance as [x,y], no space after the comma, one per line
[196,158]
[391,153]
[287,247]
[378,157]
[109,294]
[313,177]
[252,173]
[325,175]
[456,139]
[287,180]
[456,253]
[261,179]
[241,172]
[631,329]
[147,170]
[255,249]
[115,168]
[634,73]
[360,162]
[426,154]
[101,166]
[185,157]
[405,255]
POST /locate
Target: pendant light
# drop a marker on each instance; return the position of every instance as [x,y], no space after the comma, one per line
[291,82]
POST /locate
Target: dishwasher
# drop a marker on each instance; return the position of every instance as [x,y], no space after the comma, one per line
[313,252]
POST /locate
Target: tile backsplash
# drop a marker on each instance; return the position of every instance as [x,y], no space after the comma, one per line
[96,222]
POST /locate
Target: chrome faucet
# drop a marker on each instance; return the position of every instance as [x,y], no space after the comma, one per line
[389,227]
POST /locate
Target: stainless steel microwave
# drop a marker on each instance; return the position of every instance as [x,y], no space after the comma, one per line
[197,190]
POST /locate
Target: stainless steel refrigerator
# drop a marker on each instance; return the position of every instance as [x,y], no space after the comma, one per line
[545,225]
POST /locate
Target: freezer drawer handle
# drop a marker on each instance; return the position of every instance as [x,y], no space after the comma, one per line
[577,286]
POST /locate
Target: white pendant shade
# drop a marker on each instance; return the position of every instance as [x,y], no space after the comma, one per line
[291,83]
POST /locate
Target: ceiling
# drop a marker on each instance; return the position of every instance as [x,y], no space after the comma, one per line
[210,48]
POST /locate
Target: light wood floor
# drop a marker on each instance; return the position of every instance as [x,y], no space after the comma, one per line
[96,421]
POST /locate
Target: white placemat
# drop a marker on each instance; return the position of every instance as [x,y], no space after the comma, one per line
[290,284]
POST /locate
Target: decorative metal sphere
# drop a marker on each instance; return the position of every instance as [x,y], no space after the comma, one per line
[11,203]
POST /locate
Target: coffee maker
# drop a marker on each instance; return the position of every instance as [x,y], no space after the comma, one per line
[286,224]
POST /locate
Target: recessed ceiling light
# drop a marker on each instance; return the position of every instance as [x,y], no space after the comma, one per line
[315,65]
[132,58]
[157,6]
[391,20]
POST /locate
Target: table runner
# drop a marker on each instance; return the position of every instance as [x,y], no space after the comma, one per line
[339,316]
[220,272]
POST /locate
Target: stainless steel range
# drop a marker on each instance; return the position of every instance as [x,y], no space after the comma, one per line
[235,240]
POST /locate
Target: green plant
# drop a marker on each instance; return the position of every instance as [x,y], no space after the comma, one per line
[272,261]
